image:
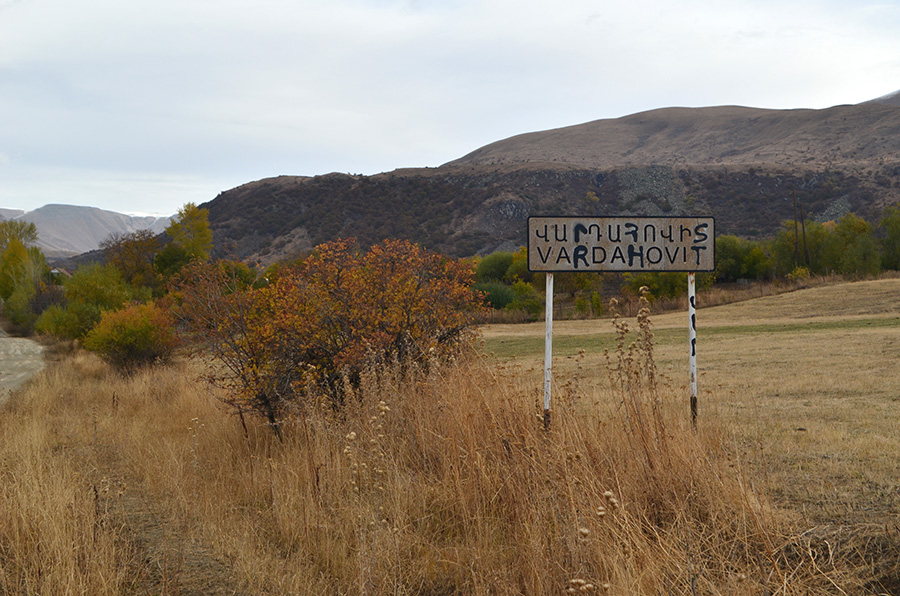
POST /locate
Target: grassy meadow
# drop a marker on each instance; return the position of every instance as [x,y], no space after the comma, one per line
[446,482]
[807,382]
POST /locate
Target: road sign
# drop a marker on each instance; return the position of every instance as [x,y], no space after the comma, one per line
[585,244]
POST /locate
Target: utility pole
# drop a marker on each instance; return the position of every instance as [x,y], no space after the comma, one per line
[796,235]
[803,226]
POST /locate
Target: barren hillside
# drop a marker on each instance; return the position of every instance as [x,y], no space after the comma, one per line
[842,136]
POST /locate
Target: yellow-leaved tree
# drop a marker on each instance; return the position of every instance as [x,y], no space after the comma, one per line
[23,273]
[192,240]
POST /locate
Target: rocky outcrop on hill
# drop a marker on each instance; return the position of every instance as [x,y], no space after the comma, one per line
[463,211]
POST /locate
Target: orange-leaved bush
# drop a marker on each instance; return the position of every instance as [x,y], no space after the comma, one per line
[324,320]
[134,336]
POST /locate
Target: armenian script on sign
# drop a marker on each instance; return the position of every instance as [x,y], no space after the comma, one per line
[621,244]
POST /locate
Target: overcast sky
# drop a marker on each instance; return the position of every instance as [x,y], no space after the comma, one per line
[144,105]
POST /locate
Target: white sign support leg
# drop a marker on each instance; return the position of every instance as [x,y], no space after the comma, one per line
[548,348]
[692,313]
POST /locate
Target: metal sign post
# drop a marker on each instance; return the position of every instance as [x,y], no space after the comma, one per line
[692,334]
[624,244]
[548,348]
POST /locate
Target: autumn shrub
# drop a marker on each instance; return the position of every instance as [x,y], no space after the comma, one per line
[72,321]
[92,290]
[322,321]
[137,335]
[798,274]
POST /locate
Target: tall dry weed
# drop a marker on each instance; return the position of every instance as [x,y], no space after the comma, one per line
[436,483]
[447,483]
[56,536]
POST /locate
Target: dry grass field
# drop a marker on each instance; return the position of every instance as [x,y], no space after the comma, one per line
[447,483]
[807,383]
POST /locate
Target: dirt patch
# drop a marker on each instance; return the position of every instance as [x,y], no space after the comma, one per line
[166,556]
[166,559]
[20,359]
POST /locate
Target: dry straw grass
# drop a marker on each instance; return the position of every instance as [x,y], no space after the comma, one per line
[436,484]
[54,536]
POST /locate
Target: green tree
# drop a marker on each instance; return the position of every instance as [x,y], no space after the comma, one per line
[190,230]
[23,274]
[739,258]
[572,283]
[242,275]
[818,235]
[890,238]
[848,247]
[518,269]
[15,267]
[171,260]
[856,249]
[757,264]
[20,266]
[527,299]
[662,284]
[100,285]
[494,266]
[14,229]
[666,284]
[134,255]
[17,308]
[496,294]
[92,290]
[729,257]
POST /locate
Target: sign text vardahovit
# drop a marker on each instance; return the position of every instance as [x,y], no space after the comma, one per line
[621,244]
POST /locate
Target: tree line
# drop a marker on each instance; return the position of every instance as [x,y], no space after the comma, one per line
[850,246]
[313,327]
[138,268]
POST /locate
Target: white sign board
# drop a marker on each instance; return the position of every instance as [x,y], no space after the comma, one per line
[586,244]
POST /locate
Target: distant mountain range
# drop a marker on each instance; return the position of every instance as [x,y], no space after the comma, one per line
[741,165]
[67,230]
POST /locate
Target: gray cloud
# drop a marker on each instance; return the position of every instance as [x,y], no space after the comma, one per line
[144,105]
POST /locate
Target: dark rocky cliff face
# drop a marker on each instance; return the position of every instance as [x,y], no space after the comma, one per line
[466,210]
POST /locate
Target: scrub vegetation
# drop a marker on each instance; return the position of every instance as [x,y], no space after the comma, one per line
[442,479]
[330,425]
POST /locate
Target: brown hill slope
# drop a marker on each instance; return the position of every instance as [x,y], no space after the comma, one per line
[891,99]
[686,137]
[741,165]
